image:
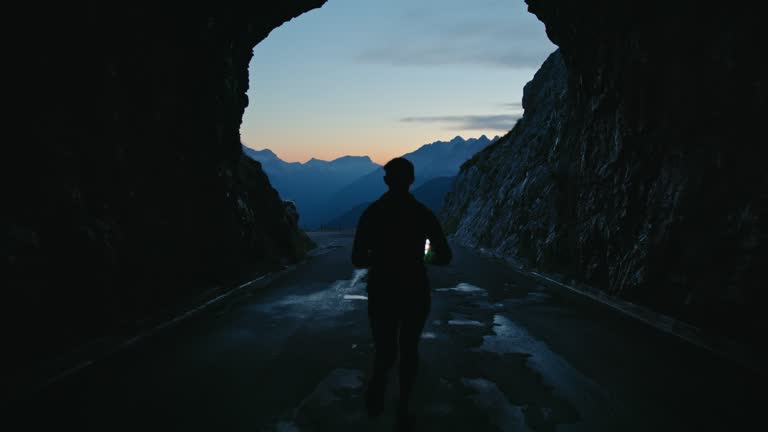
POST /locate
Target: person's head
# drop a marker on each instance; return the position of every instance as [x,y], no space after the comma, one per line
[399,174]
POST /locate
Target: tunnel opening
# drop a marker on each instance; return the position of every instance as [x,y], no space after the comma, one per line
[337,92]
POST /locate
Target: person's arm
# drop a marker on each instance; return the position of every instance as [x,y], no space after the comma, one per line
[361,248]
[438,244]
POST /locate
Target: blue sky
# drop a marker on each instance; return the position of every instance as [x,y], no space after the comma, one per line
[381,78]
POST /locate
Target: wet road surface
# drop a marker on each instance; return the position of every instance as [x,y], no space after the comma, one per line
[500,352]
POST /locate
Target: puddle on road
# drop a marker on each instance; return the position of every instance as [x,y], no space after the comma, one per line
[506,416]
[465,322]
[532,297]
[323,302]
[508,337]
[465,288]
[556,372]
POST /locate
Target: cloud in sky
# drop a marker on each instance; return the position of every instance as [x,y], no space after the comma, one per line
[488,33]
[437,55]
[500,122]
[513,106]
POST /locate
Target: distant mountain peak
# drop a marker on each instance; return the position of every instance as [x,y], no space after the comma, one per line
[265,151]
[349,158]
[260,155]
[458,138]
[343,161]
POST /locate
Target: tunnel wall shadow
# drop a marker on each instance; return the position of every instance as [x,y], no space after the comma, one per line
[128,191]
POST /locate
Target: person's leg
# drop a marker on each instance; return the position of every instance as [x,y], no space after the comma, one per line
[409,338]
[384,324]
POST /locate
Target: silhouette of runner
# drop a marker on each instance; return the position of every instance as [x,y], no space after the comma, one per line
[390,239]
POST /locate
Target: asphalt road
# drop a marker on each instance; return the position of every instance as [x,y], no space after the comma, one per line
[500,352]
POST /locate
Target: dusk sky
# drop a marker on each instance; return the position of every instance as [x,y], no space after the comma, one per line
[381,78]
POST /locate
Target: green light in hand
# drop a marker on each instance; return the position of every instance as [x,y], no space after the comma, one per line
[427,253]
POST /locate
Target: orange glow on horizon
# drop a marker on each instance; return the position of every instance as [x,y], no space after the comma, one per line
[296,146]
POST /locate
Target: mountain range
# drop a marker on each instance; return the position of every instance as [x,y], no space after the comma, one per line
[431,193]
[311,184]
[438,159]
[331,192]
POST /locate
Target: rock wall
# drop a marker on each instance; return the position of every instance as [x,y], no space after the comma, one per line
[127,190]
[636,166]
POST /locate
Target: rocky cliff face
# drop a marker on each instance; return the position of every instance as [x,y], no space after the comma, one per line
[635,167]
[129,190]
